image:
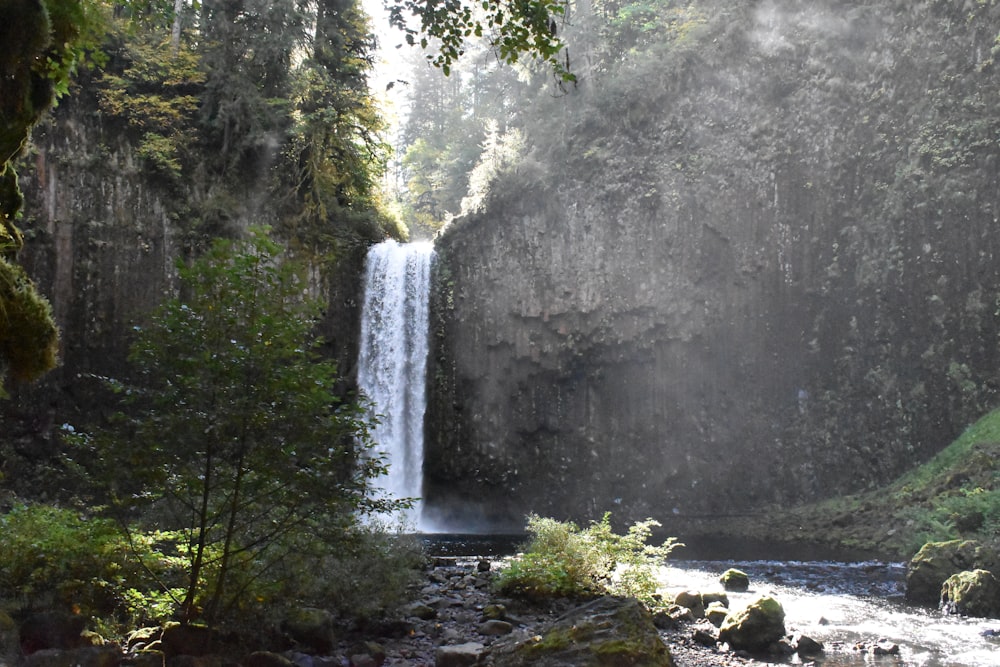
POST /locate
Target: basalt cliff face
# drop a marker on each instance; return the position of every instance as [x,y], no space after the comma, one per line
[763,270]
[103,238]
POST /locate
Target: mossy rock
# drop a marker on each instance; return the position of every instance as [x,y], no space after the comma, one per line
[971,593]
[936,561]
[606,631]
[735,580]
[29,339]
[756,627]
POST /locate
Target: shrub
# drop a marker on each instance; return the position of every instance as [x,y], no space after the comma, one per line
[59,558]
[561,560]
[371,573]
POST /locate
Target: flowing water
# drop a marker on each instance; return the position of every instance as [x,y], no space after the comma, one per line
[392,363]
[845,605]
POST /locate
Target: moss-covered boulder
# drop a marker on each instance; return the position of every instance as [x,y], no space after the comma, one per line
[971,593]
[755,627]
[605,631]
[936,561]
[735,580]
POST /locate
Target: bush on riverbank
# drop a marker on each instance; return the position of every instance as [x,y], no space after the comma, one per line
[561,560]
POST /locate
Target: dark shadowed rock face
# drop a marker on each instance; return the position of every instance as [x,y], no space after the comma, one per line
[104,235]
[768,277]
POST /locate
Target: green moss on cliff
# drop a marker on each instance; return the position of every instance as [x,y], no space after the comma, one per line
[954,495]
[29,339]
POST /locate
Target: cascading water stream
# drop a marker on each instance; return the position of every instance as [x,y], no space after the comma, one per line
[392,364]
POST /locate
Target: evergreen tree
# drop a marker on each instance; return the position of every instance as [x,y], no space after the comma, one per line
[337,154]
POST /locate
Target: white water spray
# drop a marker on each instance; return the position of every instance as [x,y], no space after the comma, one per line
[392,366]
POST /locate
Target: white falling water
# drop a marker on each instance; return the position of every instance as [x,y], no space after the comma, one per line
[392,365]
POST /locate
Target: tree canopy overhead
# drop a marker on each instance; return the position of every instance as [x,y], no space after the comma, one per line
[512,27]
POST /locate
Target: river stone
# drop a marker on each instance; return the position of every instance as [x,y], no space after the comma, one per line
[756,627]
[936,561]
[420,610]
[495,627]
[143,637]
[716,613]
[691,600]
[147,658]
[459,655]
[883,647]
[494,612]
[735,580]
[720,597]
[971,593]
[605,631]
[806,645]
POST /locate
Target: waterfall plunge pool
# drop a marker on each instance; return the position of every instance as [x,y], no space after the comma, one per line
[842,603]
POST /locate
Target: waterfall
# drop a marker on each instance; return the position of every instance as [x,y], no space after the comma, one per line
[392,365]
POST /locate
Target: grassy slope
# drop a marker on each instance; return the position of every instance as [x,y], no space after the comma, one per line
[955,494]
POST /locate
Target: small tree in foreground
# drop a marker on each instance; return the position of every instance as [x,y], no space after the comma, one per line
[235,434]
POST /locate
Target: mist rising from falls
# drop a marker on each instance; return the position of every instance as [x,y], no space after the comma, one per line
[392,363]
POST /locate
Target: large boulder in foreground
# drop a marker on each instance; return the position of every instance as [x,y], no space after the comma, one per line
[971,593]
[606,631]
[936,561]
[755,627]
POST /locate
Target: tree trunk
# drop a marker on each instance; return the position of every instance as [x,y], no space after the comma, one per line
[175,33]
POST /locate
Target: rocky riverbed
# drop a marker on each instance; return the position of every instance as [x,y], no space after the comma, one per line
[457,619]
[457,616]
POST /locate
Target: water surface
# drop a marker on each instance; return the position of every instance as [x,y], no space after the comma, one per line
[844,604]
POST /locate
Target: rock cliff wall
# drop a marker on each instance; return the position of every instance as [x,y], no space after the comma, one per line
[762,269]
[103,237]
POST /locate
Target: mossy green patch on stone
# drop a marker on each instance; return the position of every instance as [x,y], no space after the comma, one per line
[603,633]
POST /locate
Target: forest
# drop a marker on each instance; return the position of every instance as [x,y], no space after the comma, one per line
[698,262]
[197,454]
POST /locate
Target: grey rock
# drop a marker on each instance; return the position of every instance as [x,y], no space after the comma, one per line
[459,655]
[495,628]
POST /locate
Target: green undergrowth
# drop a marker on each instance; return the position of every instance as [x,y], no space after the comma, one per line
[954,495]
[563,560]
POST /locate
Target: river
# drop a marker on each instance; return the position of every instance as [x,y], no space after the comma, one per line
[842,603]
